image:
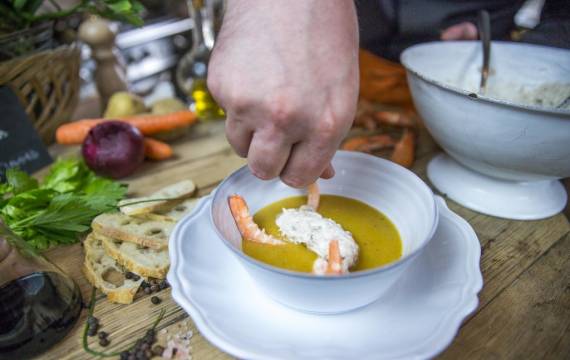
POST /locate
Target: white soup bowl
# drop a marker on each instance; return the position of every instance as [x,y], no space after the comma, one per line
[395,191]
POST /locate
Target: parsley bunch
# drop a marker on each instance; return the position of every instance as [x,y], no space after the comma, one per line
[61,208]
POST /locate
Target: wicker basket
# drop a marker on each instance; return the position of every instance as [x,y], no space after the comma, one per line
[47,84]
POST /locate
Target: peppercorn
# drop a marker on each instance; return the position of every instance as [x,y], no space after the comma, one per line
[149,336]
[104,342]
[163,285]
[136,277]
[157,350]
[129,275]
[102,335]
[147,290]
[155,300]
[154,288]
[125,355]
[92,329]
[92,320]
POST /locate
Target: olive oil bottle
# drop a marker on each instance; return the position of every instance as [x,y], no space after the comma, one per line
[192,70]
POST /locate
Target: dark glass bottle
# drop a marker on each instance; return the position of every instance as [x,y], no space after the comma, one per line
[39,304]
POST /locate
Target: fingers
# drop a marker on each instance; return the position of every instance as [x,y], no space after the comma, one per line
[268,154]
[461,31]
[239,136]
[306,163]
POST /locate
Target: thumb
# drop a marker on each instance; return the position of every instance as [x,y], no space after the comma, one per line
[328,173]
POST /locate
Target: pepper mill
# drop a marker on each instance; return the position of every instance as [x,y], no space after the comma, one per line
[110,72]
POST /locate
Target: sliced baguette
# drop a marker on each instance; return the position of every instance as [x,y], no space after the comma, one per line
[176,213]
[146,232]
[103,272]
[177,192]
[136,258]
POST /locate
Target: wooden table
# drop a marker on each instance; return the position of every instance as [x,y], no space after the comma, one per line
[524,310]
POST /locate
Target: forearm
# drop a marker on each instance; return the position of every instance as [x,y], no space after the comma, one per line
[308,21]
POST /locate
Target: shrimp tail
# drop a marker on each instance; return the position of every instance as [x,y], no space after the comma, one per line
[313,196]
[245,224]
[334,265]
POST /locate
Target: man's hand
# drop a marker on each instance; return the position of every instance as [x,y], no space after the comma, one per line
[461,31]
[286,74]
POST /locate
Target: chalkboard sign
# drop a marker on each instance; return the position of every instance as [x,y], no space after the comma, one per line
[20,144]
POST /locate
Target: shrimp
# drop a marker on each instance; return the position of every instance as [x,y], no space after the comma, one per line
[329,262]
[334,263]
[404,150]
[393,118]
[246,226]
[369,143]
[313,196]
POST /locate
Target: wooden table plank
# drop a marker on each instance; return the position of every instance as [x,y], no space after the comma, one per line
[529,320]
[516,255]
[508,247]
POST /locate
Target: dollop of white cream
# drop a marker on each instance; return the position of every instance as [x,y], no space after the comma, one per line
[306,226]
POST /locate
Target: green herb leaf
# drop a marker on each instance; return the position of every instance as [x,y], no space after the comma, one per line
[22,206]
[19,4]
[61,208]
[120,6]
[5,188]
[20,181]
[33,5]
[66,176]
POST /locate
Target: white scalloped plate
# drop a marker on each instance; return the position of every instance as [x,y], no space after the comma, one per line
[417,320]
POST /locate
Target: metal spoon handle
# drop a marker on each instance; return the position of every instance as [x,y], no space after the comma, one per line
[484,21]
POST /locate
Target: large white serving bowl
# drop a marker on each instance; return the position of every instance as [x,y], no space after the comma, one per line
[510,154]
[395,191]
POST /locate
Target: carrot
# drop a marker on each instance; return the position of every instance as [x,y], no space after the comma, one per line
[75,132]
[152,124]
[156,150]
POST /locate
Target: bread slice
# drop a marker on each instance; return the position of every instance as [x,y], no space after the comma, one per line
[103,272]
[177,192]
[176,213]
[136,258]
[145,232]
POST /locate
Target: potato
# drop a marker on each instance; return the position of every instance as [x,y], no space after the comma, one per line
[123,104]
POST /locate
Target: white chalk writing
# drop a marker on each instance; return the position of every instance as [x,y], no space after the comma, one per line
[27,156]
